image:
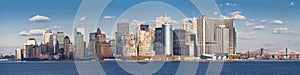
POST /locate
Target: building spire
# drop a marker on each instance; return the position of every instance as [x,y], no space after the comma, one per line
[166,15]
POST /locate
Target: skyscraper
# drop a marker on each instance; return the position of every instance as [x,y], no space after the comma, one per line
[122,31]
[179,43]
[46,36]
[222,37]
[102,48]
[79,46]
[167,40]
[31,48]
[206,34]
[48,41]
[190,25]
[67,48]
[91,48]
[59,46]
[158,46]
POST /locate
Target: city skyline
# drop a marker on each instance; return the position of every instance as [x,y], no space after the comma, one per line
[254,26]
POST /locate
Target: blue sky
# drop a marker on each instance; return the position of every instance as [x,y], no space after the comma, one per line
[272,24]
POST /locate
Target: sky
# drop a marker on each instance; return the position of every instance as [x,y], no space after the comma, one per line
[270,24]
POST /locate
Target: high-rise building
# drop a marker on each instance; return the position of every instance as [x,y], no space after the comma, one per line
[122,31]
[206,34]
[180,46]
[79,46]
[190,25]
[222,37]
[48,41]
[46,36]
[123,27]
[158,46]
[91,48]
[130,48]
[31,48]
[66,52]
[144,40]
[59,46]
[18,54]
[82,31]
[102,48]
[162,20]
[167,39]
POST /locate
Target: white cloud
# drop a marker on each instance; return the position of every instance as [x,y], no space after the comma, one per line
[249,23]
[32,32]
[291,4]
[55,27]
[263,21]
[259,27]
[228,4]
[277,22]
[136,22]
[83,18]
[39,18]
[246,35]
[237,15]
[282,30]
[109,17]
[215,13]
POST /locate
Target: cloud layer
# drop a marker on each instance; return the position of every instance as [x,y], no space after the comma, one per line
[237,15]
[32,32]
[259,27]
[282,30]
[39,18]
[276,22]
[82,18]
[109,17]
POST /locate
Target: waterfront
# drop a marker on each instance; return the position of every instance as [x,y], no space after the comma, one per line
[257,67]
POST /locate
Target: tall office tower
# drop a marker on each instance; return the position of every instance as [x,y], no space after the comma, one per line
[190,25]
[180,45]
[48,40]
[144,39]
[50,45]
[59,46]
[71,49]
[31,47]
[167,39]
[79,46]
[194,42]
[162,20]
[158,46]
[222,38]
[46,36]
[102,48]
[207,31]
[130,47]
[101,37]
[18,54]
[91,48]
[144,44]
[67,42]
[122,31]
[81,30]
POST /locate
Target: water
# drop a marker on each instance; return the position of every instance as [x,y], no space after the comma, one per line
[169,68]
